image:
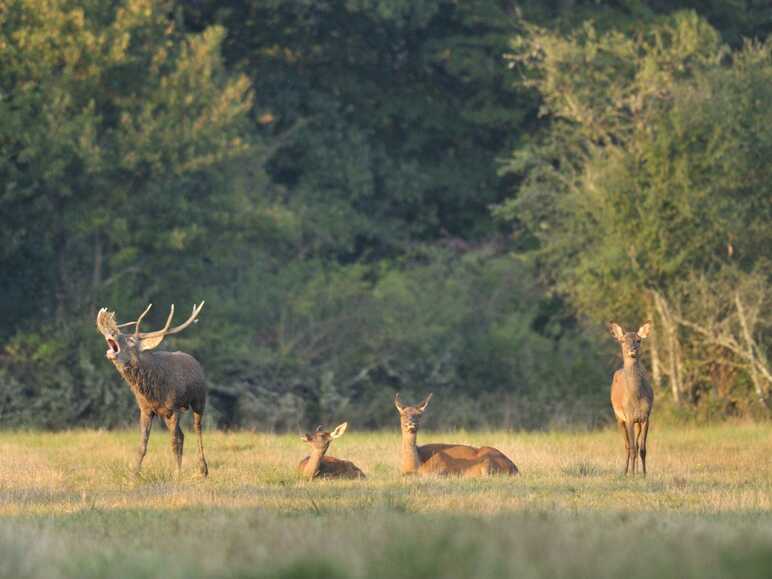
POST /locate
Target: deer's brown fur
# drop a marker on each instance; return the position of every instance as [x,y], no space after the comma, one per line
[632,397]
[317,465]
[164,384]
[445,459]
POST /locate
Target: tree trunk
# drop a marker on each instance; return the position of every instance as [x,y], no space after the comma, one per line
[673,347]
[656,370]
[750,347]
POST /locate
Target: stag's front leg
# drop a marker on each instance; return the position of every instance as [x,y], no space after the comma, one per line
[178,439]
[145,423]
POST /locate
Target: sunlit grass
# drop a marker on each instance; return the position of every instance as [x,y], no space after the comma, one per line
[71,506]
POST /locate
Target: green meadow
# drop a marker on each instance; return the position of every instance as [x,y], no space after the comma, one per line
[70,507]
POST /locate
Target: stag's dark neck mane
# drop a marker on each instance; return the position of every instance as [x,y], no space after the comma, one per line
[145,375]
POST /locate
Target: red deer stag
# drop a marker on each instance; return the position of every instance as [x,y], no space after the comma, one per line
[163,383]
[631,395]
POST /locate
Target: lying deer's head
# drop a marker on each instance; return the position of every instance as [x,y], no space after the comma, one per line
[124,349]
[410,416]
[630,341]
[321,440]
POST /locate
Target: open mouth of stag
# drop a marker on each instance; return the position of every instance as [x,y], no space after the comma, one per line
[113,348]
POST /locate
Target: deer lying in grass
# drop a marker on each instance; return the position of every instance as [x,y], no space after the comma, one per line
[631,395]
[317,465]
[445,459]
[164,383]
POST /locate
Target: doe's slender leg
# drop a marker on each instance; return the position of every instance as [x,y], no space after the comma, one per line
[623,428]
[644,436]
[633,446]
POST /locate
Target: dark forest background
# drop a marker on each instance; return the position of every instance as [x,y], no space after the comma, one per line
[388,195]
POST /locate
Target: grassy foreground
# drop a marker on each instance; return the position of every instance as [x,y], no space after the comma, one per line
[69,507]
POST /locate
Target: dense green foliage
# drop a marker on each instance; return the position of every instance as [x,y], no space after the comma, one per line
[653,188]
[323,174]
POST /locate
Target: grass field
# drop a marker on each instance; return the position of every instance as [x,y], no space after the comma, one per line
[69,507]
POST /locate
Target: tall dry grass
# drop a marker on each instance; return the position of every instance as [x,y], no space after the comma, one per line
[70,507]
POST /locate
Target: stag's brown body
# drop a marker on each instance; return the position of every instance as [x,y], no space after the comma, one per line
[445,459]
[164,384]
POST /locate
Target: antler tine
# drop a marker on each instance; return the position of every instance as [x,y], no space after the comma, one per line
[105,321]
[166,331]
[139,319]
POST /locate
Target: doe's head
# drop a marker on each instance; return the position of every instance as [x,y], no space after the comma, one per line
[630,341]
[410,416]
[124,348]
[321,440]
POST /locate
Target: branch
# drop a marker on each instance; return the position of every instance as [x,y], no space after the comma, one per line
[727,342]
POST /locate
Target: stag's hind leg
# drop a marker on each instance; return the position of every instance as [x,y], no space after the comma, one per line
[178,438]
[198,415]
[145,423]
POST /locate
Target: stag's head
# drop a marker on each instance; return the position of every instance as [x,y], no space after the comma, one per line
[124,348]
[410,416]
[321,440]
[630,341]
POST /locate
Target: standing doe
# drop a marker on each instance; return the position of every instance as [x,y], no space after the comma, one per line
[163,383]
[631,395]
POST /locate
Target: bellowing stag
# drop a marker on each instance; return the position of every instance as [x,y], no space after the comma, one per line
[164,383]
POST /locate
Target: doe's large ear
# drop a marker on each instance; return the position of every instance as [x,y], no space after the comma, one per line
[150,343]
[306,437]
[616,330]
[644,330]
[421,407]
[339,430]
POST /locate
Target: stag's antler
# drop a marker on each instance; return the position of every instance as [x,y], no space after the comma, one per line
[106,322]
[137,321]
[165,331]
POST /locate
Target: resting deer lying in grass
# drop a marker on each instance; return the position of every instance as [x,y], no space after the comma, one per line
[631,395]
[164,383]
[317,465]
[445,459]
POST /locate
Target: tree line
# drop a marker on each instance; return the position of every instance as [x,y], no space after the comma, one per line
[387,195]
